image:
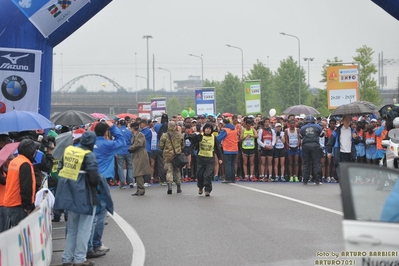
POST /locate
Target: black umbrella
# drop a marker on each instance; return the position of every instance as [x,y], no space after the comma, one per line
[354,108]
[301,109]
[72,118]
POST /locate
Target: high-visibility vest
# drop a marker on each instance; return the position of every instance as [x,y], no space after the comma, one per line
[206,146]
[12,197]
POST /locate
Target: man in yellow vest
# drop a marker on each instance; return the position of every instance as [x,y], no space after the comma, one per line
[19,198]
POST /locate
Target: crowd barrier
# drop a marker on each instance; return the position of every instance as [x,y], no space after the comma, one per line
[29,243]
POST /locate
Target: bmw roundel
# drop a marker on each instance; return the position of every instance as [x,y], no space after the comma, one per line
[13,88]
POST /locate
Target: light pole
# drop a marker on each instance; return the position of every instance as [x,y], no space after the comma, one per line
[202,66]
[170,73]
[137,76]
[242,59]
[299,62]
[308,59]
[135,70]
[148,62]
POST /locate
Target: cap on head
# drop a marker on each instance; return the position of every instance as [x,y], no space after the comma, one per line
[78,133]
[310,119]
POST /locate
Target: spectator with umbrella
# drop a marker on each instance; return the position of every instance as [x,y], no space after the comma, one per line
[343,141]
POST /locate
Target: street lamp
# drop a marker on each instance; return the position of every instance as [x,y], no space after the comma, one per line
[202,67]
[170,73]
[142,78]
[308,59]
[242,59]
[148,62]
[299,61]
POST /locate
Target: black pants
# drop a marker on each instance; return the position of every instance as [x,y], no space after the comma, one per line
[343,157]
[312,153]
[205,172]
[15,215]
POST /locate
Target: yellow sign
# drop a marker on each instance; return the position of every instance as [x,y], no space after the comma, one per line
[73,159]
[55,165]
[342,85]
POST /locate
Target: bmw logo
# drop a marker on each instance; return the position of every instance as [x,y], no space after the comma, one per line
[13,88]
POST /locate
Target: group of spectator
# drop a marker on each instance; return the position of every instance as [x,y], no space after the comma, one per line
[139,152]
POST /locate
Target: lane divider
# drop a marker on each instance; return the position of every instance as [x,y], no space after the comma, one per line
[138,254]
[291,199]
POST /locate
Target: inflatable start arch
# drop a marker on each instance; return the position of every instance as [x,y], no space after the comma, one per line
[29,30]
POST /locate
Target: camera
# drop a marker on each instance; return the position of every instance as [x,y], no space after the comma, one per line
[48,142]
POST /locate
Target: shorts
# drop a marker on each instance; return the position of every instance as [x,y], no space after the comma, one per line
[187,150]
[360,150]
[248,152]
[292,153]
[278,153]
[380,154]
[371,152]
[267,153]
[153,154]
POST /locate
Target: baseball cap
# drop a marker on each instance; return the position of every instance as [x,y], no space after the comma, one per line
[78,133]
[373,120]
[278,125]
[273,119]
[194,121]
[302,116]
[202,116]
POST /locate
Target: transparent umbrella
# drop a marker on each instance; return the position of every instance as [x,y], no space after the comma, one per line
[301,109]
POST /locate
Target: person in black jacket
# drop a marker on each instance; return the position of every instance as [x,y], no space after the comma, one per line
[208,145]
[312,152]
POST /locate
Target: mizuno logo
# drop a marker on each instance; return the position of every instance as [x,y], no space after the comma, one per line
[14,67]
[14,59]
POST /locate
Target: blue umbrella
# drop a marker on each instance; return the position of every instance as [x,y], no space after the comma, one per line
[16,121]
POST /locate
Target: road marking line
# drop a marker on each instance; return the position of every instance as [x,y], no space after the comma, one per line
[138,256]
[292,199]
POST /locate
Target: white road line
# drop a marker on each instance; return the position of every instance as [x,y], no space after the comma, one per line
[292,199]
[138,256]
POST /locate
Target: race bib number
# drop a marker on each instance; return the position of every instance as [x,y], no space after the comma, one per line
[268,142]
[249,142]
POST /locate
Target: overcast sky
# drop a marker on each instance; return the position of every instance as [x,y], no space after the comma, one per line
[112,42]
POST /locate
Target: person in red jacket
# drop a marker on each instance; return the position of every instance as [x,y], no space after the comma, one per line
[19,198]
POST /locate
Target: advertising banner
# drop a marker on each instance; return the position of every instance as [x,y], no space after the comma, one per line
[252,97]
[144,110]
[158,106]
[342,85]
[48,15]
[30,242]
[19,79]
[205,101]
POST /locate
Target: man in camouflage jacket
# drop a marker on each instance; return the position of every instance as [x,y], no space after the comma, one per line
[165,144]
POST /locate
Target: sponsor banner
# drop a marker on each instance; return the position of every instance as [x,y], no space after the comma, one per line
[252,98]
[19,79]
[29,243]
[205,101]
[342,85]
[158,106]
[144,110]
[48,15]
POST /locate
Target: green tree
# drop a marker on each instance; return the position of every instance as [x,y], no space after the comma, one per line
[230,95]
[173,106]
[336,62]
[189,103]
[263,73]
[319,102]
[367,83]
[81,90]
[286,87]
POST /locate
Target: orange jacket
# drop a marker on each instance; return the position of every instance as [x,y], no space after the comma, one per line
[13,193]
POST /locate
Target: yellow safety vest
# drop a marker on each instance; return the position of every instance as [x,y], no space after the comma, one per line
[206,146]
[73,159]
